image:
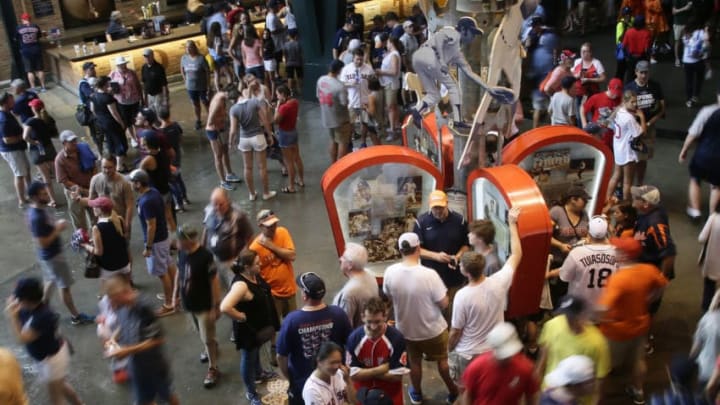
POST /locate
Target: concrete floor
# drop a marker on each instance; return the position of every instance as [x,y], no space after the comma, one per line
[305,216]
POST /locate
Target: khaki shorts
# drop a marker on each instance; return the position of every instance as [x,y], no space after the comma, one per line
[678,31]
[458,363]
[649,139]
[627,352]
[341,134]
[205,324]
[390,96]
[434,349]
[55,367]
[284,305]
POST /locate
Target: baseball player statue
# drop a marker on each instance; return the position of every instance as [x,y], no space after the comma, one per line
[432,60]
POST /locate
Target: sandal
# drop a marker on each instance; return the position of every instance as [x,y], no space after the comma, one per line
[287,190]
[300,183]
[164,311]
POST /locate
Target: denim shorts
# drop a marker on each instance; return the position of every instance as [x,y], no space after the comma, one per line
[287,138]
[197,95]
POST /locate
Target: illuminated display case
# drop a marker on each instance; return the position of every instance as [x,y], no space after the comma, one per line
[492,192]
[558,157]
[427,141]
[374,195]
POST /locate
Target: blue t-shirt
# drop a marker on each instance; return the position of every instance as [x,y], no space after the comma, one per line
[21,107]
[341,40]
[42,224]
[85,90]
[397,31]
[9,126]
[44,322]
[28,36]
[138,323]
[447,236]
[302,333]
[542,60]
[151,206]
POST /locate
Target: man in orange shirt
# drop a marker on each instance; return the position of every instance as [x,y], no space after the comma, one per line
[276,251]
[625,315]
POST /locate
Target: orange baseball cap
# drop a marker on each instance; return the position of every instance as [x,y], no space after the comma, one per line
[438,198]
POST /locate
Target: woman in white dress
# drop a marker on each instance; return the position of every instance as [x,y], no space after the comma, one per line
[628,124]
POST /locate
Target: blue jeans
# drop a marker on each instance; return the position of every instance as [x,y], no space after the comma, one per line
[250,367]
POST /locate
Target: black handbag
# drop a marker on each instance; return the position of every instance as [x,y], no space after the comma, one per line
[92,267]
[83,115]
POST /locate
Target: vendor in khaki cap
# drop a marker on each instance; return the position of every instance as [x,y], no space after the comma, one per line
[303,332]
[276,250]
[443,239]
[503,375]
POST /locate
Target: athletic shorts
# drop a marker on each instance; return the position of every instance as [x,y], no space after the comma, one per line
[626,352]
[128,112]
[287,138]
[160,259]
[294,72]
[18,162]
[33,62]
[270,65]
[55,367]
[433,349]
[256,143]
[198,95]
[56,270]
[341,134]
[215,135]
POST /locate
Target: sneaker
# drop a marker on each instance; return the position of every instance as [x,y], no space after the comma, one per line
[227,186]
[43,90]
[186,201]
[708,74]
[650,345]
[266,376]
[232,178]
[689,104]
[253,196]
[160,296]
[82,319]
[253,398]
[416,398]
[211,378]
[693,213]
[695,100]
[203,357]
[638,396]
[451,398]
[270,195]
[677,63]
[197,125]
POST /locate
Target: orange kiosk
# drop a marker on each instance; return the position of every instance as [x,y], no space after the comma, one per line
[374,195]
[560,156]
[427,141]
[491,193]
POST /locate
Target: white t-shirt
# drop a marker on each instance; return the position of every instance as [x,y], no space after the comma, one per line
[356,80]
[561,108]
[626,129]
[599,68]
[477,309]
[415,292]
[587,269]
[318,392]
[391,82]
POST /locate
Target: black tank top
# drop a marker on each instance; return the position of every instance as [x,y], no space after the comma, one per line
[160,177]
[260,312]
[115,252]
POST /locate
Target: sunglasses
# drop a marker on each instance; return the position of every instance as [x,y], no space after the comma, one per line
[304,287]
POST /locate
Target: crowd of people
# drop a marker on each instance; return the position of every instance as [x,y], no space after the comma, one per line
[442,302]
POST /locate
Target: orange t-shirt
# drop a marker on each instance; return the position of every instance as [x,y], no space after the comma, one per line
[278,273]
[626,298]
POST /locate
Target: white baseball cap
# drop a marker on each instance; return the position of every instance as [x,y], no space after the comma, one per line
[354,44]
[411,238]
[572,370]
[598,227]
[503,339]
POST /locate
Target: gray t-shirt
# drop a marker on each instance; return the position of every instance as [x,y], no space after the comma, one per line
[355,294]
[246,113]
[196,72]
[492,263]
[293,53]
[333,98]
[562,107]
[119,191]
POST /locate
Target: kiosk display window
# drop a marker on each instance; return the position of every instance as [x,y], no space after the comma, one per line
[491,205]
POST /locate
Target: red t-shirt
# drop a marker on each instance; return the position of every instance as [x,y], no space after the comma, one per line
[637,42]
[288,112]
[490,382]
[601,106]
